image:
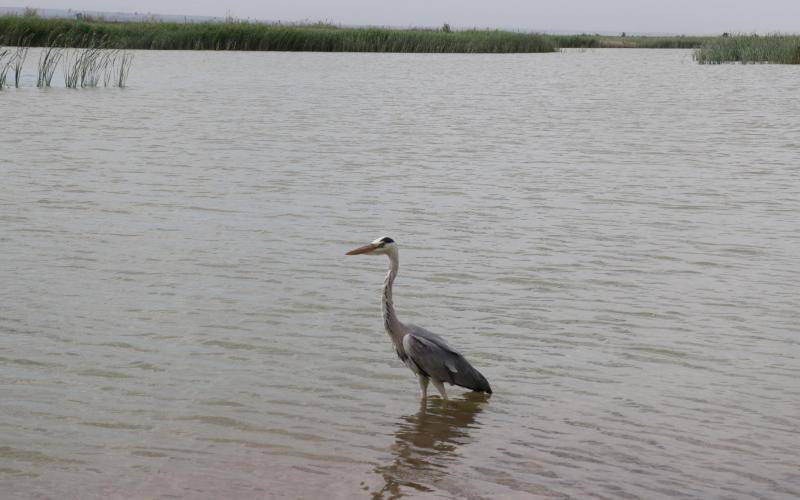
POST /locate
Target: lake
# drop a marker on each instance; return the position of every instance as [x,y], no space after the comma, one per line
[611,236]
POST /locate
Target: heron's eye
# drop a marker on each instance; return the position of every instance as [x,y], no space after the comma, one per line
[387,240]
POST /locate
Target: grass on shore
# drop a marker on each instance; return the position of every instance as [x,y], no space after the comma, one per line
[311,37]
[776,49]
[243,36]
[321,37]
[629,42]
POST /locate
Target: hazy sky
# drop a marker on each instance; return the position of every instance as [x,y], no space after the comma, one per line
[669,16]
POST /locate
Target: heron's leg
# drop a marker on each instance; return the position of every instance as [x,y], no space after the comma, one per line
[423,385]
[440,387]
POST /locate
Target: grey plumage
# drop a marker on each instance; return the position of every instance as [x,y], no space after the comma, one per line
[428,355]
[436,359]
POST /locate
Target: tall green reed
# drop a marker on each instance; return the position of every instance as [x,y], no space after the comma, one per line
[87,67]
[123,68]
[83,67]
[12,59]
[5,65]
[19,62]
[48,61]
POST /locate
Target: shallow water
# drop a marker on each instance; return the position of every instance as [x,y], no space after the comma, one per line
[610,236]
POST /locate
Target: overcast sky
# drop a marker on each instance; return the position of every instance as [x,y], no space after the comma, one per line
[645,16]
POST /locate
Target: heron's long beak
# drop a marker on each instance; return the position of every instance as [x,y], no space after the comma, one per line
[364,249]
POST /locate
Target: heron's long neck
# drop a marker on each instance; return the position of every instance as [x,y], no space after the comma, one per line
[390,321]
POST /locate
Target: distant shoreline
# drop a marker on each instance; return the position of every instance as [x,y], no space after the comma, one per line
[318,37]
[34,31]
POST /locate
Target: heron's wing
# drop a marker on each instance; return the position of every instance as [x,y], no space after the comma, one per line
[429,335]
[435,359]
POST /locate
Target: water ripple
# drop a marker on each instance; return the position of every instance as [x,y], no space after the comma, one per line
[610,236]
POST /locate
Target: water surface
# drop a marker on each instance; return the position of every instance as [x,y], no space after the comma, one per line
[611,236]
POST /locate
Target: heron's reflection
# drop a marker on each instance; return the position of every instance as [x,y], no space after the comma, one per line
[427,442]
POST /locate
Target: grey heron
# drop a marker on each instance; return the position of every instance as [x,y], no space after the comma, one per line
[426,354]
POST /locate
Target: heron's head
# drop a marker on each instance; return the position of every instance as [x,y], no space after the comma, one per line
[381,246]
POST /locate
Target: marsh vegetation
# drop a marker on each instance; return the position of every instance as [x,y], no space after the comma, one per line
[48,61]
[776,49]
[82,67]
[245,36]
[319,37]
[91,33]
[88,67]
[629,42]
[4,66]
[11,59]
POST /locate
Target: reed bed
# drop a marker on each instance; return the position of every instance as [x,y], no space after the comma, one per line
[244,36]
[629,42]
[311,37]
[82,67]
[329,38]
[775,49]
[88,67]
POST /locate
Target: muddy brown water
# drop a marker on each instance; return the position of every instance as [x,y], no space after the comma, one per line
[610,236]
